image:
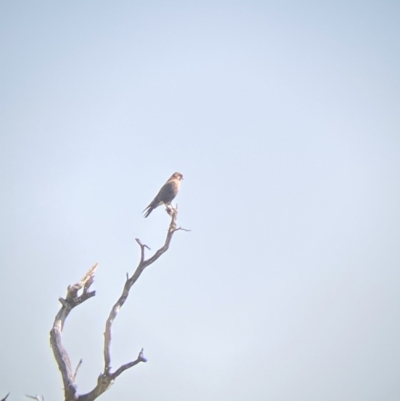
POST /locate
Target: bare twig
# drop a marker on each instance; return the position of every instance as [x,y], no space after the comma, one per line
[35,397]
[77,367]
[182,229]
[126,366]
[5,398]
[142,247]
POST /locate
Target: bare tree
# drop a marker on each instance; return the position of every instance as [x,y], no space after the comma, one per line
[81,292]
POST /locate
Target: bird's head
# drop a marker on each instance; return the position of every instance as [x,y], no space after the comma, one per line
[177,176]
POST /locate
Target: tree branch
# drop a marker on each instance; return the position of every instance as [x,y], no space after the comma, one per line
[77,368]
[35,397]
[106,378]
[5,398]
[143,263]
[71,300]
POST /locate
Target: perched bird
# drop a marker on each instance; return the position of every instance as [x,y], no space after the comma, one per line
[166,194]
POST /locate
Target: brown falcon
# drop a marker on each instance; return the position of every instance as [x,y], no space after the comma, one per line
[166,194]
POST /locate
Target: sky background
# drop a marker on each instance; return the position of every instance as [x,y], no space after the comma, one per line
[284,118]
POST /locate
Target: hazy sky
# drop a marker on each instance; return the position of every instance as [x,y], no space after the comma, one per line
[284,118]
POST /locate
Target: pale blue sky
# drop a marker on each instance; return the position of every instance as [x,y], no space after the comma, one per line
[284,118]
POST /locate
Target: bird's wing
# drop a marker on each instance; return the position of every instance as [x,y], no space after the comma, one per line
[167,192]
[165,195]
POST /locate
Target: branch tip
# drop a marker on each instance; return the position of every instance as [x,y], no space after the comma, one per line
[63,302]
[89,274]
[77,367]
[141,244]
[35,397]
[182,229]
[141,356]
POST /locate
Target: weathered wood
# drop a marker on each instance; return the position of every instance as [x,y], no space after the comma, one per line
[79,293]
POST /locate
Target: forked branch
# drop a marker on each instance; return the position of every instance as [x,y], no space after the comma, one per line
[79,293]
[35,397]
[67,304]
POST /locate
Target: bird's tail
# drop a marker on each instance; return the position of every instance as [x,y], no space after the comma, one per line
[148,210]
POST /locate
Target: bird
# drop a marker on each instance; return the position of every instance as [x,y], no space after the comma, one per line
[166,194]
